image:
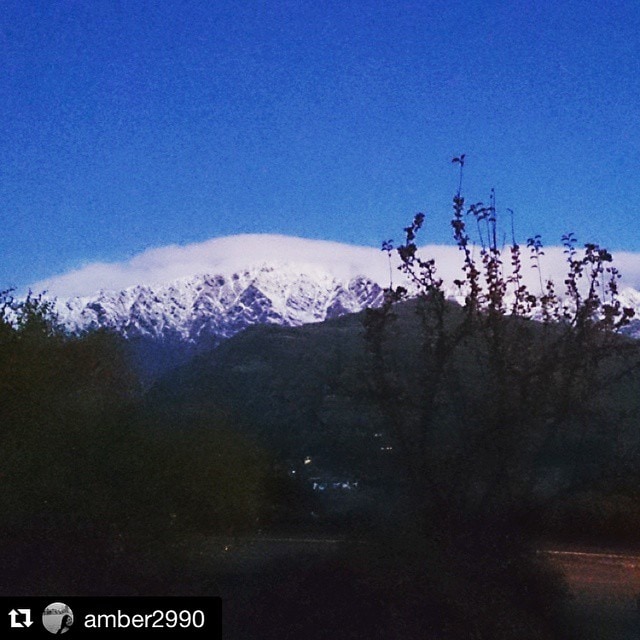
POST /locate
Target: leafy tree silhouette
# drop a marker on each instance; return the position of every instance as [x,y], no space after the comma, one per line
[513,400]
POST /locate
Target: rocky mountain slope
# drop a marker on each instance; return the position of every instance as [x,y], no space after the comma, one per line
[215,306]
[206,292]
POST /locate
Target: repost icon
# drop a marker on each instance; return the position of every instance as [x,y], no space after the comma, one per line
[20,618]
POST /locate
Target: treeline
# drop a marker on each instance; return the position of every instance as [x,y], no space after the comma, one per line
[96,483]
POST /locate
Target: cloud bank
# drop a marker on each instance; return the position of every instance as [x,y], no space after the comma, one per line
[234,253]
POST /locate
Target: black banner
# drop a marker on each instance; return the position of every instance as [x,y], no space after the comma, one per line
[71,616]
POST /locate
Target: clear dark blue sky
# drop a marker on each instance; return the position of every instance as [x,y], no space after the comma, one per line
[129,125]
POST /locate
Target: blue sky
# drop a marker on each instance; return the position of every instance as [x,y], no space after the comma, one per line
[131,125]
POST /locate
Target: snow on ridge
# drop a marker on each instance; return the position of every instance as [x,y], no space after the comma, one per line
[234,254]
[222,256]
[218,287]
[218,305]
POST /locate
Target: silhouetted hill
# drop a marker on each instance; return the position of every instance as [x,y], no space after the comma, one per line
[306,393]
[302,390]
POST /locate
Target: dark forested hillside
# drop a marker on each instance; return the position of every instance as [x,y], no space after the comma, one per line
[307,392]
[302,390]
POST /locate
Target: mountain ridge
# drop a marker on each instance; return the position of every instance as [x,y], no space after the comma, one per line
[216,306]
[210,291]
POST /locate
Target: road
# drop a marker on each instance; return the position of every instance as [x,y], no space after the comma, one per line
[606,591]
[605,585]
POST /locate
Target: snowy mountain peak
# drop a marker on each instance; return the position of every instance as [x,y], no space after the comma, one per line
[214,306]
[213,289]
[226,256]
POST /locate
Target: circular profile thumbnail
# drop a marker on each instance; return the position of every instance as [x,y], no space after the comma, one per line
[57,618]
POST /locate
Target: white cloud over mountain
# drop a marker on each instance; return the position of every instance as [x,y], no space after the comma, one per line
[234,253]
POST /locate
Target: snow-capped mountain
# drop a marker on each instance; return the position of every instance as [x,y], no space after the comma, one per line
[214,306]
[631,298]
[214,289]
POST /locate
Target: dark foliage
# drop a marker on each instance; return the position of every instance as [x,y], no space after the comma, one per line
[517,403]
[95,486]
